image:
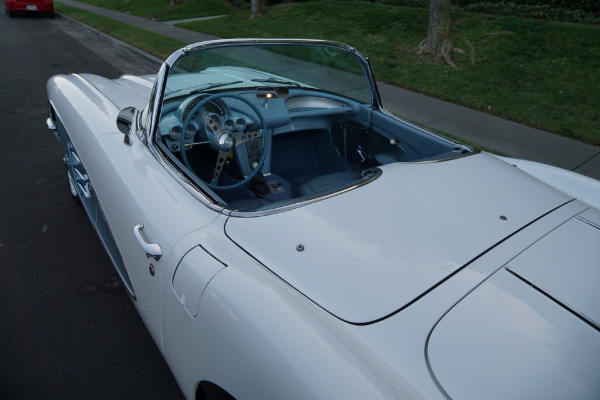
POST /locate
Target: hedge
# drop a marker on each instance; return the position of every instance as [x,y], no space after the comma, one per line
[592,6]
[529,11]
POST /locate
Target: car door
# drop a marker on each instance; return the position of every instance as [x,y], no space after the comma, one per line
[147,210]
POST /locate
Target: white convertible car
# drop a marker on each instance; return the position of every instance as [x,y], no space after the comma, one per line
[283,236]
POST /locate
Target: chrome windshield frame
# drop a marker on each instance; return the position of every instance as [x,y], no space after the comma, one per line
[158,93]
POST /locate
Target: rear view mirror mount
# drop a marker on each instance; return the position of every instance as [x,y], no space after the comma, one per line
[267,93]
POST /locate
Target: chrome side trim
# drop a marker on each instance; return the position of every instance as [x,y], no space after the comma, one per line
[99,224]
[458,145]
[556,299]
[250,214]
[50,124]
[184,181]
[587,221]
[147,134]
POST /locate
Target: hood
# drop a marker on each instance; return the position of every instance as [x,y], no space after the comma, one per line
[532,329]
[126,91]
[369,252]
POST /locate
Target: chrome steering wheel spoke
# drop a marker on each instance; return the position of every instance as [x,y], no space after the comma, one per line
[243,137]
[226,140]
[221,159]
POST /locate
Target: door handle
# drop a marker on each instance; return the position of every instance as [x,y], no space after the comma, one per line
[152,250]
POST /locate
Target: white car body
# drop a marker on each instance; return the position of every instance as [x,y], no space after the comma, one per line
[443,277]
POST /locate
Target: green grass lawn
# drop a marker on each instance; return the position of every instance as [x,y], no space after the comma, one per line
[543,74]
[157,45]
[162,10]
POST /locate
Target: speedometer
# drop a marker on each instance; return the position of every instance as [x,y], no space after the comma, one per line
[213,106]
[216,107]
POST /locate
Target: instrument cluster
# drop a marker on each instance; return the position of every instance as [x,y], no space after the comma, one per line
[171,124]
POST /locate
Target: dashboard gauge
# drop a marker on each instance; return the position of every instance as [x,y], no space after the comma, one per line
[212,107]
[213,122]
[228,124]
[216,107]
[175,132]
[191,130]
[240,124]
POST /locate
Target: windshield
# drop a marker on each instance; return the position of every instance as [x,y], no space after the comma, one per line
[260,125]
[330,69]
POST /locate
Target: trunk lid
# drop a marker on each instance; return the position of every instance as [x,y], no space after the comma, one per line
[532,329]
[373,250]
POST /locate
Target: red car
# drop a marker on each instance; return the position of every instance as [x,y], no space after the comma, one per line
[41,6]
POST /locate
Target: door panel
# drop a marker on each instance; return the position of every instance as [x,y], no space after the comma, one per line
[133,188]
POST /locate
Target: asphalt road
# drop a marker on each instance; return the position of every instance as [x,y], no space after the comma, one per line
[66,332]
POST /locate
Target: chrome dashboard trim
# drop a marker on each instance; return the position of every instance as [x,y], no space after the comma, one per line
[297,102]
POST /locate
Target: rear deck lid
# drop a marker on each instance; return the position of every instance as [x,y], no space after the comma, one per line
[367,253]
[533,329]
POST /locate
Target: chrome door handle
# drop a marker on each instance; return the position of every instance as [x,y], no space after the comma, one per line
[152,250]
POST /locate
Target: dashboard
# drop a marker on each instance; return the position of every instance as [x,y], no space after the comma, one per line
[303,110]
[230,136]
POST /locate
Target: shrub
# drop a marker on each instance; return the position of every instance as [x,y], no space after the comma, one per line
[533,11]
[592,6]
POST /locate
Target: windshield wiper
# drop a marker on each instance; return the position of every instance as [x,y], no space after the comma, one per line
[276,80]
[214,85]
[202,88]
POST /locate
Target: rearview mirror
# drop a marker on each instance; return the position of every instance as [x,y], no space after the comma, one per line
[267,93]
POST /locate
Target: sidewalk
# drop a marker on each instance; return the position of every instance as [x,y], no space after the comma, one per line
[506,137]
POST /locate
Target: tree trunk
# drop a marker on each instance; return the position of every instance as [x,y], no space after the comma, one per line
[258,8]
[438,42]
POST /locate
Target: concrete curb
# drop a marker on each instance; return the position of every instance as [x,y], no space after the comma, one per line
[146,59]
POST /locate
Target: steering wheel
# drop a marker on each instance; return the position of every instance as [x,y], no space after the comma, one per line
[224,140]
